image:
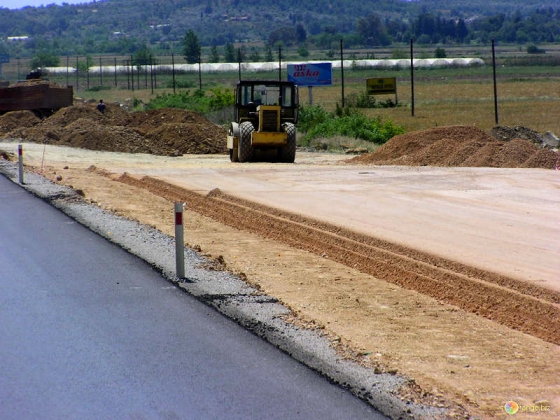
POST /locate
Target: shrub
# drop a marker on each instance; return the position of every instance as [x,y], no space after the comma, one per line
[533,49]
[310,116]
[199,101]
[349,122]
[440,53]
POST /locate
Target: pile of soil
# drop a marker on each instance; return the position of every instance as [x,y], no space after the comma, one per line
[463,146]
[16,119]
[166,132]
[31,82]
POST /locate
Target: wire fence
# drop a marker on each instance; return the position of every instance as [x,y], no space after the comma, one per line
[104,73]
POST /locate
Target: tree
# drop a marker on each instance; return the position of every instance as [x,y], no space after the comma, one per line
[214,55]
[45,59]
[230,55]
[268,57]
[301,33]
[303,51]
[191,47]
[143,56]
[255,56]
[285,34]
[440,53]
[372,31]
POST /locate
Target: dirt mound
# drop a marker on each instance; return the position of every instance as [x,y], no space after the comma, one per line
[15,119]
[179,138]
[167,132]
[86,134]
[151,120]
[462,146]
[518,132]
[32,82]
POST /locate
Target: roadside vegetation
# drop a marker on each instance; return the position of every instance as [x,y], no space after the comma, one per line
[315,123]
[203,102]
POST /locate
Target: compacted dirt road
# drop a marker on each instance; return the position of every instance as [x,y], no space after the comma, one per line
[448,276]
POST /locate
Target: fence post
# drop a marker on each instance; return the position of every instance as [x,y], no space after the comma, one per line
[179,241]
[495,85]
[20,163]
[342,68]
[412,76]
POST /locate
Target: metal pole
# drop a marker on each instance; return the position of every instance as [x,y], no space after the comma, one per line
[199,73]
[173,70]
[77,72]
[495,84]
[115,63]
[20,163]
[151,73]
[279,63]
[342,68]
[412,75]
[239,62]
[100,73]
[155,71]
[179,241]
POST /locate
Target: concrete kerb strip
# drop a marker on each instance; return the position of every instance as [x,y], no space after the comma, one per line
[232,297]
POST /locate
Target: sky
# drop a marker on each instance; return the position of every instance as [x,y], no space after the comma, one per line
[18,4]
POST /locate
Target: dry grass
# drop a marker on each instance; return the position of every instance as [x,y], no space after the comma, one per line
[341,144]
[530,103]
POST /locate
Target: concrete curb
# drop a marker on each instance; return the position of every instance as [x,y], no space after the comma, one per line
[231,296]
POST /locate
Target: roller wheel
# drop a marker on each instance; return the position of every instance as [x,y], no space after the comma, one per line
[245,149]
[233,155]
[288,152]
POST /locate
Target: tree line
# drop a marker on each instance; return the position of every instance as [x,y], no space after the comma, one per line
[229,30]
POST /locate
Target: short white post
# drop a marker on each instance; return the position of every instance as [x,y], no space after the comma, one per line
[20,163]
[179,241]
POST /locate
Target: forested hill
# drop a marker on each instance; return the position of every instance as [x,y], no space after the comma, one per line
[124,26]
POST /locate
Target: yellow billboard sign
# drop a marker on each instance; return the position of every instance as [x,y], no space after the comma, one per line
[381,86]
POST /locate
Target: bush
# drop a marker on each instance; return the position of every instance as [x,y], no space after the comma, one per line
[349,122]
[310,116]
[363,100]
[440,53]
[179,84]
[98,88]
[533,49]
[199,101]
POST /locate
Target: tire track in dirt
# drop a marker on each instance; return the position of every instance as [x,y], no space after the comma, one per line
[516,304]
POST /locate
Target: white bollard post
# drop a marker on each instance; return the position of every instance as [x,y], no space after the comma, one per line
[20,163]
[179,241]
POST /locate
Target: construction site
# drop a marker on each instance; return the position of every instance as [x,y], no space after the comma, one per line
[434,257]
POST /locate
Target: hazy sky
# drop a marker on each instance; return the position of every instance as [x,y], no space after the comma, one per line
[18,4]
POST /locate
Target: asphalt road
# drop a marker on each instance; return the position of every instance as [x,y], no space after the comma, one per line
[88,331]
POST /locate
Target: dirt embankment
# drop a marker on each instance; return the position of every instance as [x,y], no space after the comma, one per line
[465,146]
[167,132]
